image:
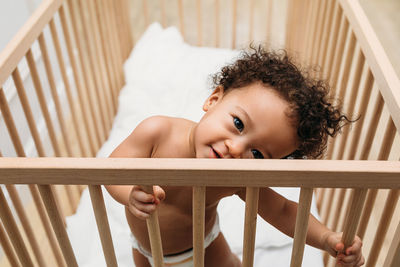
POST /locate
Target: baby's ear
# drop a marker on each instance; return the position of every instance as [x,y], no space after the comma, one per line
[215,96]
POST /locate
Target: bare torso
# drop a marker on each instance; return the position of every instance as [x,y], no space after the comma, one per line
[175,212]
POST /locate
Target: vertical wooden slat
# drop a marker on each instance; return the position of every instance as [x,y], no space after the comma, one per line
[321,193]
[110,18]
[339,54]
[89,125]
[27,111]
[46,115]
[353,216]
[329,23]
[71,102]
[100,47]
[376,114]
[6,113]
[199,24]
[352,99]
[58,225]
[119,29]
[312,29]
[366,213]
[300,234]
[103,226]
[372,193]
[86,70]
[342,85]
[217,17]
[321,24]
[33,189]
[181,21]
[333,40]
[250,222]
[234,18]
[7,248]
[251,20]
[13,232]
[112,69]
[53,90]
[306,27]
[153,228]
[290,19]
[362,110]
[12,191]
[163,19]
[95,65]
[329,201]
[269,22]
[29,116]
[46,223]
[199,201]
[393,256]
[145,13]
[388,138]
[123,11]
[42,102]
[339,208]
[386,217]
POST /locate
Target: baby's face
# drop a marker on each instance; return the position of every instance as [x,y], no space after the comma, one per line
[248,122]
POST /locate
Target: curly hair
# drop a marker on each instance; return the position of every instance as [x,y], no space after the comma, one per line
[314,115]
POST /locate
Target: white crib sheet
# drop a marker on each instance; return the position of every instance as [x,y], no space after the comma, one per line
[166,76]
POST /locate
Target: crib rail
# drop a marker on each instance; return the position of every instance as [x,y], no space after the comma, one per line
[338,36]
[199,173]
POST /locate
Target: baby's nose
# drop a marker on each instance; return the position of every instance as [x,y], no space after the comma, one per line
[235,148]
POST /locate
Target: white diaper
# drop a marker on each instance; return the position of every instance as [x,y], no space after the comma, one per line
[184,259]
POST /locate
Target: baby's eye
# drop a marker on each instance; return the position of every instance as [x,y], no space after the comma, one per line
[238,123]
[257,154]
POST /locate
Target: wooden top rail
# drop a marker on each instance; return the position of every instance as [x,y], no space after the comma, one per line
[22,41]
[383,71]
[201,172]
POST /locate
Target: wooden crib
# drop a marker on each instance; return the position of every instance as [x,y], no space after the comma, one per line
[68,91]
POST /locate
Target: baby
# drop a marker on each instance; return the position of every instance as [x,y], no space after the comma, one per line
[262,106]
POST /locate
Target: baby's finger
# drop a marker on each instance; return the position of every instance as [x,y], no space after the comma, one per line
[142,196]
[144,207]
[348,259]
[137,213]
[356,246]
[159,192]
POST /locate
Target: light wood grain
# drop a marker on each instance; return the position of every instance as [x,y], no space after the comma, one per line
[250,223]
[147,171]
[153,228]
[376,57]
[19,45]
[301,228]
[103,226]
[199,204]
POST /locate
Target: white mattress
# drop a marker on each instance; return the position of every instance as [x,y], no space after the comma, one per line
[165,76]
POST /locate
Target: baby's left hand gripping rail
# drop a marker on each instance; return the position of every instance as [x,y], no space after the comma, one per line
[199,173]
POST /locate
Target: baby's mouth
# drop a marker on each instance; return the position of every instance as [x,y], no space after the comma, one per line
[215,153]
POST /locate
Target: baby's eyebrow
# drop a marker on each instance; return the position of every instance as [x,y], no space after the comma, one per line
[244,113]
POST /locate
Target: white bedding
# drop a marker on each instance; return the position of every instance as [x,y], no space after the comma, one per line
[165,76]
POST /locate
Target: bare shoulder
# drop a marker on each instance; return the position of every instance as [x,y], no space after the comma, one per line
[155,125]
[144,138]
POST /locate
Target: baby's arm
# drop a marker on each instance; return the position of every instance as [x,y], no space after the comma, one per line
[139,144]
[281,213]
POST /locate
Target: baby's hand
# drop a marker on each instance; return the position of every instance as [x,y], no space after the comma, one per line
[142,204]
[351,257]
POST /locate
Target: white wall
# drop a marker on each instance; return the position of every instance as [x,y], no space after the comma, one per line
[13,14]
